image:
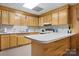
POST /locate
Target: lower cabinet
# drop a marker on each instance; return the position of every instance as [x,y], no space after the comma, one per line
[13,40]
[4,42]
[22,40]
[57,48]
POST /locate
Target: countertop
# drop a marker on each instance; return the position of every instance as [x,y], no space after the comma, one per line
[18,33]
[49,37]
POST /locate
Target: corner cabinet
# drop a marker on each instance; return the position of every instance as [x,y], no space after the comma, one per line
[32,21]
[45,19]
[22,40]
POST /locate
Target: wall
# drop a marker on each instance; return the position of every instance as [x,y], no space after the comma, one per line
[22,29]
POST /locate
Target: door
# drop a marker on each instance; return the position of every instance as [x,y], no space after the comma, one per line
[55,17]
[49,18]
[4,42]
[22,40]
[13,40]
[17,19]
[41,22]
[12,18]
[5,17]
[63,16]
[35,20]
[29,20]
[23,22]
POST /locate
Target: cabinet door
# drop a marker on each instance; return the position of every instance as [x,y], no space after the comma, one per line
[63,16]
[30,20]
[22,40]
[45,19]
[55,17]
[35,21]
[13,40]
[23,22]
[73,42]
[12,18]
[17,19]
[41,22]
[4,42]
[5,17]
[49,18]
[0,17]
[77,13]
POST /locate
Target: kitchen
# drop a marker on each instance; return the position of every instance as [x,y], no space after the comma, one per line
[48,29]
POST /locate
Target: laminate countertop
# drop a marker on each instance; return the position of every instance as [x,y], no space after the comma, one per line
[49,37]
[18,33]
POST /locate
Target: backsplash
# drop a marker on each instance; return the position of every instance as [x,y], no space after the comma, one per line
[60,28]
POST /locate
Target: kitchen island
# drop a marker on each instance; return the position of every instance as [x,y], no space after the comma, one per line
[50,44]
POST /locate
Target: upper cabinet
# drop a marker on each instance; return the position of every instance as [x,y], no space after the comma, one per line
[63,15]
[35,21]
[11,18]
[41,22]
[23,20]
[59,16]
[4,17]
[32,21]
[45,19]
[49,18]
[55,17]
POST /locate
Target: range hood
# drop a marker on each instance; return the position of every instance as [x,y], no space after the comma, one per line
[47,24]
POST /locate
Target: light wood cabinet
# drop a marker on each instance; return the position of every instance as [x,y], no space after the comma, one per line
[23,20]
[55,17]
[63,15]
[35,21]
[45,19]
[0,17]
[13,41]
[11,18]
[32,21]
[5,17]
[57,48]
[22,40]
[17,19]
[41,22]
[49,18]
[4,42]
[29,20]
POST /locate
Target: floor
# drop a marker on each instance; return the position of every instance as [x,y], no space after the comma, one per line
[20,51]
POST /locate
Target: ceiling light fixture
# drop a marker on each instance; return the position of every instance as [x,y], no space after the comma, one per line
[30,5]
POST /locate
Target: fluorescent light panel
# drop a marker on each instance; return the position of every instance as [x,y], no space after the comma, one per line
[30,5]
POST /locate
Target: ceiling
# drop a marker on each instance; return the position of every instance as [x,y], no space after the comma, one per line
[46,7]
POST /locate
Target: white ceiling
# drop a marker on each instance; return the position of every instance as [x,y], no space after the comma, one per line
[45,6]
